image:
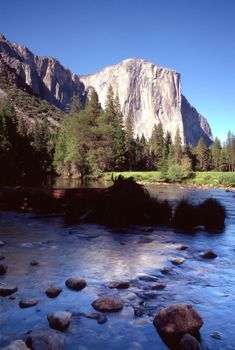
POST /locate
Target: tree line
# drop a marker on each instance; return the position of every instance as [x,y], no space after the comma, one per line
[92,140]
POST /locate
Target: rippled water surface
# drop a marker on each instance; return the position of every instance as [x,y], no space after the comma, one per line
[100,256]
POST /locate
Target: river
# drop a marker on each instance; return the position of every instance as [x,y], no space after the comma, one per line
[100,255]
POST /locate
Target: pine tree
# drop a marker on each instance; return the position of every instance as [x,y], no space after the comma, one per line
[178,147]
[230,151]
[130,143]
[203,155]
[216,149]
[156,143]
[75,104]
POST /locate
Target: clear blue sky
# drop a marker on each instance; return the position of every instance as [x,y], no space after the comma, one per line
[194,37]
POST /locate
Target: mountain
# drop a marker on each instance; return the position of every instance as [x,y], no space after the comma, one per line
[44,75]
[150,93]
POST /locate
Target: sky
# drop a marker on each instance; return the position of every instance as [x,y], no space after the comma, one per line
[194,37]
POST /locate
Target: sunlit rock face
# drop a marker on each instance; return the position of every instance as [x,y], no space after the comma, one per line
[151,94]
[45,75]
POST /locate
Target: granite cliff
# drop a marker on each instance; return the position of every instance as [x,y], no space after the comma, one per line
[150,93]
[45,75]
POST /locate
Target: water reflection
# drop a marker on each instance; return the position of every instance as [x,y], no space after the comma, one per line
[100,256]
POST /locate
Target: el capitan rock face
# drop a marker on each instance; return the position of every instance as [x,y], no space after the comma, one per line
[150,93]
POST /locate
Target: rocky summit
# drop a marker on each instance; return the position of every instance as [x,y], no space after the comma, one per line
[148,92]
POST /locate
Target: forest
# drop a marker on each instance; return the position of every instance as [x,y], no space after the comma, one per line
[90,141]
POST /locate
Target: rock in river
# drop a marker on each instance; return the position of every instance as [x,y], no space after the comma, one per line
[34,263]
[53,292]
[100,318]
[17,345]
[209,255]
[2,244]
[177,319]
[3,269]
[59,320]
[6,289]
[178,261]
[24,303]
[109,304]
[188,342]
[75,283]
[45,339]
[119,284]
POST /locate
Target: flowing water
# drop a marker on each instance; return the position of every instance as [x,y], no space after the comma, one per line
[100,255]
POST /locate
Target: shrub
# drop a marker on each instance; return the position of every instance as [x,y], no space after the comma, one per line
[185,216]
[212,214]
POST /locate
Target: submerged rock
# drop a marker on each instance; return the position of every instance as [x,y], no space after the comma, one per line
[188,342]
[100,318]
[2,244]
[45,339]
[3,269]
[119,284]
[76,284]
[209,254]
[6,289]
[158,286]
[59,320]
[24,303]
[2,257]
[177,319]
[109,304]
[34,263]
[53,292]
[16,345]
[182,247]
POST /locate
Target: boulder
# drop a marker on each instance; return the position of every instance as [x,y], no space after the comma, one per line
[209,254]
[24,303]
[108,303]
[177,319]
[45,339]
[59,320]
[2,257]
[16,345]
[188,342]
[119,284]
[75,283]
[3,269]
[178,261]
[53,292]
[158,286]
[34,263]
[6,289]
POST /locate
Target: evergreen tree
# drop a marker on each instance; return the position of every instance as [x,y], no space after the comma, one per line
[157,144]
[203,155]
[216,149]
[130,144]
[230,151]
[76,105]
[178,147]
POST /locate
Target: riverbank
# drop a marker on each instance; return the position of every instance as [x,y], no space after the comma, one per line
[201,179]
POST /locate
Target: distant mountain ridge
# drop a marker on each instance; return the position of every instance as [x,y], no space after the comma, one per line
[150,93]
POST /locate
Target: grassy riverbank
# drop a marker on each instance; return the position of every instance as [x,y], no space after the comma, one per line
[211,178]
